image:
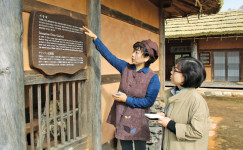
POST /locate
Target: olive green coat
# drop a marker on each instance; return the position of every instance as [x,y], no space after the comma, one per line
[190,112]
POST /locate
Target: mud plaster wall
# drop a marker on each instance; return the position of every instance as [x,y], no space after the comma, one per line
[142,10]
[208,74]
[224,44]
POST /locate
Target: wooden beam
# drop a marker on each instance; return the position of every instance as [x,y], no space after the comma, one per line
[162,47]
[166,3]
[123,17]
[155,2]
[186,4]
[12,103]
[180,11]
[94,78]
[35,77]
[168,15]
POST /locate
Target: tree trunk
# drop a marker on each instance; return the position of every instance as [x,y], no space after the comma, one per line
[12,117]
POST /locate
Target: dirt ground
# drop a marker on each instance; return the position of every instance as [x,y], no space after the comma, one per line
[226,130]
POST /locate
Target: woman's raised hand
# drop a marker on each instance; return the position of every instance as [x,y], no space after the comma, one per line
[89,32]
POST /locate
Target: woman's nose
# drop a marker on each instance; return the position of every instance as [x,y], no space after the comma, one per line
[133,54]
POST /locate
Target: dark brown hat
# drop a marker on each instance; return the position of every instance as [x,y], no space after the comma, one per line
[152,48]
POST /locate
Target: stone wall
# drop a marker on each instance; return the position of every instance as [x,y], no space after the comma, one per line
[155,129]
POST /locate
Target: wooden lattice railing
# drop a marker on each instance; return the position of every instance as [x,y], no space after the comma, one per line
[57,114]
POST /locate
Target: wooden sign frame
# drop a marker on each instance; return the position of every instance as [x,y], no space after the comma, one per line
[56,44]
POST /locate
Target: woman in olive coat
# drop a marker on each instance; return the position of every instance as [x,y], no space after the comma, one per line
[186,118]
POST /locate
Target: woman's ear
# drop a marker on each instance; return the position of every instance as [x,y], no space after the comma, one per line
[146,59]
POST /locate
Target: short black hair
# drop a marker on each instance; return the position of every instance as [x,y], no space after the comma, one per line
[193,71]
[144,49]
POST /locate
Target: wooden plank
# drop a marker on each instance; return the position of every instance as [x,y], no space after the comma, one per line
[61,113]
[79,107]
[31,5]
[94,78]
[31,117]
[54,91]
[78,144]
[84,104]
[74,109]
[68,111]
[12,101]
[35,77]
[39,114]
[47,107]
[123,17]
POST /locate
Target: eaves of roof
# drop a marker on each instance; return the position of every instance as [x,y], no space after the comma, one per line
[223,23]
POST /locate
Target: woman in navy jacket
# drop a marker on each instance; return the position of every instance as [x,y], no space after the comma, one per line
[138,90]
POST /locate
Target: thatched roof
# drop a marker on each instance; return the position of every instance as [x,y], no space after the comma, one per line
[184,8]
[223,23]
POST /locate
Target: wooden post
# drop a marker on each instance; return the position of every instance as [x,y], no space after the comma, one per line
[12,104]
[162,47]
[94,78]
[194,49]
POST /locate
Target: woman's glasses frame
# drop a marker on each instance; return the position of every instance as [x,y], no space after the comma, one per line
[174,69]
